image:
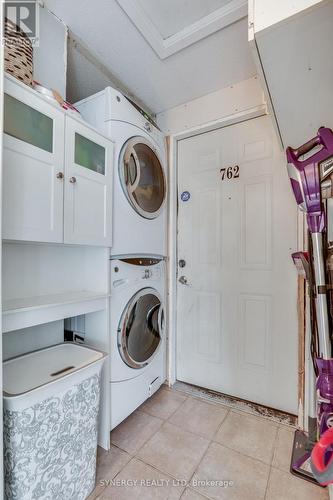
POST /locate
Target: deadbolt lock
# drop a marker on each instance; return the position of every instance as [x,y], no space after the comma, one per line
[182,263]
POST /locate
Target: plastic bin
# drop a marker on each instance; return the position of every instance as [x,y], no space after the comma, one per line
[51,402]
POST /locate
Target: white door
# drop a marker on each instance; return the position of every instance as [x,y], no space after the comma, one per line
[237,294]
[33,167]
[88,178]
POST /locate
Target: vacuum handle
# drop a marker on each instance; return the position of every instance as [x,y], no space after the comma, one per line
[305,148]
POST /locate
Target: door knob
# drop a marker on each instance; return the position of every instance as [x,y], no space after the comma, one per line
[72,180]
[60,175]
[183,280]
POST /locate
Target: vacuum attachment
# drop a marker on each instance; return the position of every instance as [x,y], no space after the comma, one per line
[322,459]
[325,394]
[301,457]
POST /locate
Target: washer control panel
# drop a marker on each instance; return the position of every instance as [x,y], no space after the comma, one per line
[128,271]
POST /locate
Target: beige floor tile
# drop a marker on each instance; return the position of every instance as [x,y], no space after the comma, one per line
[174,451]
[96,493]
[109,463]
[283,449]
[249,435]
[199,417]
[285,486]
[163,404]
[249,477]
[138,481]
[190,494]
[131,434]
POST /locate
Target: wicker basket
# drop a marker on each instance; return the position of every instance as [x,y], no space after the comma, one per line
[18,53]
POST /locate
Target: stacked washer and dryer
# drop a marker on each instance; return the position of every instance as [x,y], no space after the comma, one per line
[138,277]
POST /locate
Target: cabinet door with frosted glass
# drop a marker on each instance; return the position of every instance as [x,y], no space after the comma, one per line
[33,166]
[88,178]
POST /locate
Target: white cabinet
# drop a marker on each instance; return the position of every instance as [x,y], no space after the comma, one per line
[57,173]
[32,167]
[87,185]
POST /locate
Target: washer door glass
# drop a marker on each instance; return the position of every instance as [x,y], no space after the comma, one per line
[142,177]
[139,335]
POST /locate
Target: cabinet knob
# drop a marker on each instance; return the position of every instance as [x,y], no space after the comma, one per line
[72,180]
[60,175]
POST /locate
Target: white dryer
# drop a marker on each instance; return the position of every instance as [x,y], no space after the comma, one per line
[140,182]
[137,348]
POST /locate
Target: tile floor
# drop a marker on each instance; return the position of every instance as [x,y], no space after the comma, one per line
[176,446]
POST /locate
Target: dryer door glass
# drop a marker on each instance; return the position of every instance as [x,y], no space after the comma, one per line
[140,329]
[142,177]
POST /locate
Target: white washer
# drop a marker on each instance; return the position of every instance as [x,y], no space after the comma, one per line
[140,182]
[137,348]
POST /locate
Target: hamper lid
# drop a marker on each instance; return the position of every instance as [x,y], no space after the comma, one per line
[30,371]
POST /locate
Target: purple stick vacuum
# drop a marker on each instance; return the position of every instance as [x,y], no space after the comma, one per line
[307,167]
[304,172]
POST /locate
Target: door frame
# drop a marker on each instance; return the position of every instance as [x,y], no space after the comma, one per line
[172,143]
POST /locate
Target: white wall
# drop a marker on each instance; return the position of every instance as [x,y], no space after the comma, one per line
[50,58]
[32,270]
[269,12]
[227,102]
[30,339]
[297,66]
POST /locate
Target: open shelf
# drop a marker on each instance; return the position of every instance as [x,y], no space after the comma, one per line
[32,311]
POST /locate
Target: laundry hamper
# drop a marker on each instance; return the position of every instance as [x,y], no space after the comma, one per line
[51,402]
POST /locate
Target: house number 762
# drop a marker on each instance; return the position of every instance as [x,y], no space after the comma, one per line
[230,173]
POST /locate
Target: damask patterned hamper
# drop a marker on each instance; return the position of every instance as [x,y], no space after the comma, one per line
[51,403]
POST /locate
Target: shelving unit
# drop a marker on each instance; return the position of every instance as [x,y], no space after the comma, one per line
[32,311]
